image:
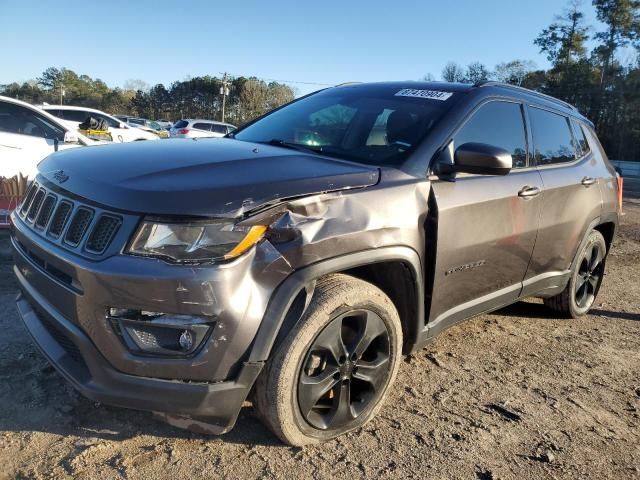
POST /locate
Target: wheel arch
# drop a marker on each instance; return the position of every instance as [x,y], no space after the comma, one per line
[608,230]
[292,296]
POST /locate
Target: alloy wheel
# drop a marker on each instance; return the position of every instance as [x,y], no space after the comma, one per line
[589,276]
[345,370]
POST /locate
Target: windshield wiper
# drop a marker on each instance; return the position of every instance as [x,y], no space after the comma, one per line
[293,146]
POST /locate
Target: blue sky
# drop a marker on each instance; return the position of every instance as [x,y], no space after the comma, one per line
[317,42]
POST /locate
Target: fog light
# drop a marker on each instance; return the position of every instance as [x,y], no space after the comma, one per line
[186,340]
[157,333]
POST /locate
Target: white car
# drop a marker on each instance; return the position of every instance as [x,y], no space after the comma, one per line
[120,131]
[28,135]
[196,128]
[164,123]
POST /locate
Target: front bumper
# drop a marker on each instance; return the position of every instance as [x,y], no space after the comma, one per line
[65,298]
[76,358]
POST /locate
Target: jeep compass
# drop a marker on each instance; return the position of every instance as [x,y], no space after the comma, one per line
[294,262]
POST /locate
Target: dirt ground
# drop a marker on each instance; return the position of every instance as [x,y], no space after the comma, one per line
[517,394]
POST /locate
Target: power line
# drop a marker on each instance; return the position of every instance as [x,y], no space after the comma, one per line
[300,82]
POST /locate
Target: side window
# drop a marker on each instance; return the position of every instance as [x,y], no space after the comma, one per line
[23,121]
[582,145]
[110,121]
[202,126]
[552,137]
[499,124]
[219,129]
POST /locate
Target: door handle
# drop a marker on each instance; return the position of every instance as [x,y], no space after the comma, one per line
[529,192]
[587,181]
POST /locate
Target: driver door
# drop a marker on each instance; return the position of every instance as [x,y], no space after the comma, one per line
[486,224]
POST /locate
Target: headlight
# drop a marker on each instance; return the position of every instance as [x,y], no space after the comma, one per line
[194,242]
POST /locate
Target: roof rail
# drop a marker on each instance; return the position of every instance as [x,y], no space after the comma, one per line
[493,83]
[345,83]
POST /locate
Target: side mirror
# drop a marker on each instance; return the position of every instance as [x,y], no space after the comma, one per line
[70,137]
[123,125]
[482,159]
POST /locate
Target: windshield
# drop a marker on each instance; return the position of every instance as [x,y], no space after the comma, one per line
[373,124]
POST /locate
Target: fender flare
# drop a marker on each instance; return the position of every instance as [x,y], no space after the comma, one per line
[284,296]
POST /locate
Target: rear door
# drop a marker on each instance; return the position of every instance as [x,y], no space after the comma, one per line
[486,225]
[571,200]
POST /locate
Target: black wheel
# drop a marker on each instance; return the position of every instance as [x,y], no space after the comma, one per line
[586,278]
[331,373]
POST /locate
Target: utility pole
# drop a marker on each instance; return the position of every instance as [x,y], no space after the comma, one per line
[62,92]
[224,91]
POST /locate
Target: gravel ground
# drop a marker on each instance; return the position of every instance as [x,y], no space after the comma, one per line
[517,394]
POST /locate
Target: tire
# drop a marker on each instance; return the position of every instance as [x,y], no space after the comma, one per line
[367,323]
[586,277]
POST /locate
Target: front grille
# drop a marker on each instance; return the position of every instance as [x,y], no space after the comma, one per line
[71,224]
[102,234]
[78,226]
[46,211]
[60,219]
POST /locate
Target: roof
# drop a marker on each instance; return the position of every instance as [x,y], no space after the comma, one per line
[71,107]
[205,120]
[442,86]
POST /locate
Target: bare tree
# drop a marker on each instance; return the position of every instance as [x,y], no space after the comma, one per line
[513,72]
[452,72]
[476,73]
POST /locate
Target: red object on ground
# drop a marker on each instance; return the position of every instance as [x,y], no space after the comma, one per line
[7,204]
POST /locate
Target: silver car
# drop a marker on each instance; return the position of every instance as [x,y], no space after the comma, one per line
[195,128]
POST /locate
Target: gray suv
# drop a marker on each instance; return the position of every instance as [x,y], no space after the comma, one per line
[295,261]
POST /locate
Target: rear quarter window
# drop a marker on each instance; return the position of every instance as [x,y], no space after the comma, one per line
[552,138]
[582,145]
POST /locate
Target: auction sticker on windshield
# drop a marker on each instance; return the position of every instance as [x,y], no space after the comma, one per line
[430,94]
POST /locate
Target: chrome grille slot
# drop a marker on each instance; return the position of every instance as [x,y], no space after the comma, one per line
[45,212]
[102,234]
[35,205]
[60,218]
[28,197]
[78,226]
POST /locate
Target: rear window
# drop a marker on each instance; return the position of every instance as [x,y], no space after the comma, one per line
[202,126]
[180,124]
[552,137]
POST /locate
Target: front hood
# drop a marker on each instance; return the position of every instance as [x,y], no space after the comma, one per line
[209,177]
